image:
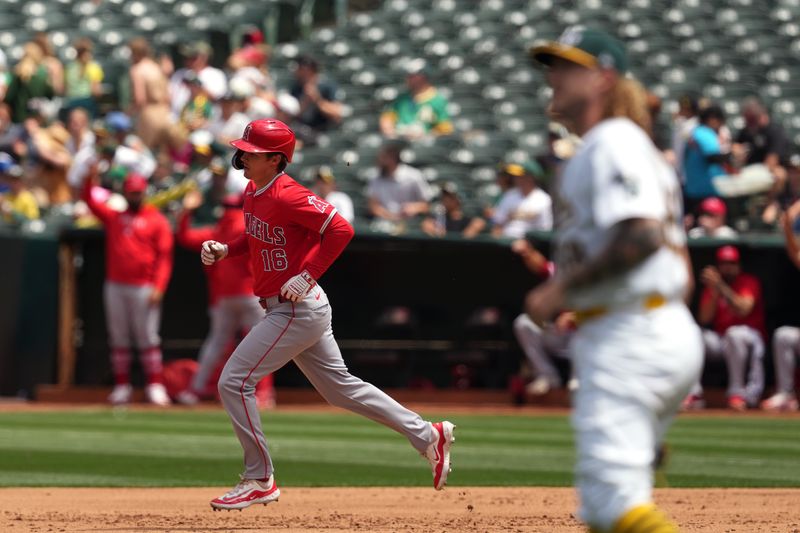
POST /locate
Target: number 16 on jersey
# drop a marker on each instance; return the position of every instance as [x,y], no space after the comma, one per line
[274,259]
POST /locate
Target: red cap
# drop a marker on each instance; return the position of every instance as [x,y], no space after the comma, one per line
[233,200]
[713,206]
[728,254]
[267,136]
[135,183]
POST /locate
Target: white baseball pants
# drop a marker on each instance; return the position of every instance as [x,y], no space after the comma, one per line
[230,315]
[539,345]
[738,345]
[130,319]
[302,332]
[634,372]
[785,346]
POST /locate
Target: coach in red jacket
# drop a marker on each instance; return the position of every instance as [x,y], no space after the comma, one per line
[138,266]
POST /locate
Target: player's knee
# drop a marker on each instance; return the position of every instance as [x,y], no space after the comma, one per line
[733,333]
[227,384]
[524,323]
[786,336]
[735,342]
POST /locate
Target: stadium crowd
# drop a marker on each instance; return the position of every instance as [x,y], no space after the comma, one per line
[175,128]
[57,127]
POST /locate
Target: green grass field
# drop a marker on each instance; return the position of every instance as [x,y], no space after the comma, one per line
[104,447]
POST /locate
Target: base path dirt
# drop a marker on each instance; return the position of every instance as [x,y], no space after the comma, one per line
[546,510]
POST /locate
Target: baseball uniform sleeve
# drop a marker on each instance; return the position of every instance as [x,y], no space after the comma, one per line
[751,287]
[308,210]
[189,237]
[164,245]
[335,238]
[627,183]
[238,246]
[98,209]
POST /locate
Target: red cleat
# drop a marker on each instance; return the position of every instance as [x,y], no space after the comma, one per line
[737,403]
[438,453]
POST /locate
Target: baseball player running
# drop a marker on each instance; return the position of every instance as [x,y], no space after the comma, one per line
[138,266]
[292,237]
[232,306]
[621,264]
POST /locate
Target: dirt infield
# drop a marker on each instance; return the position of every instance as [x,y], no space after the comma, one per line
[546,510]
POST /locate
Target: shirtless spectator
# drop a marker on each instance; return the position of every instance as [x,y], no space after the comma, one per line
[55,69]
[150,95]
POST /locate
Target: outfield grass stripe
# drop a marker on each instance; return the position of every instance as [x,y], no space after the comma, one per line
[106,447]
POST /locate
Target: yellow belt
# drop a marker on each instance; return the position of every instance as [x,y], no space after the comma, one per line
[651,301]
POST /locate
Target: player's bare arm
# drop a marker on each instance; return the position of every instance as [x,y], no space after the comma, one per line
[708,303]
[742,304]
[787,223]
[632,241]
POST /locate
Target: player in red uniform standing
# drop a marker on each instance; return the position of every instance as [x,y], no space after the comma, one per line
[292,238]
[138,266]
[232,306]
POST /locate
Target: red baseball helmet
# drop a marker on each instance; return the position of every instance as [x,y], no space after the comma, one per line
[264,136]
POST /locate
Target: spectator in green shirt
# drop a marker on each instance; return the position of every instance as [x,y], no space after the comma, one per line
[419,112]
[197,112]
[30,81]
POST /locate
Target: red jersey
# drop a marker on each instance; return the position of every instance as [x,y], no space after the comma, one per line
[744,285]
[232,277]
[138,244]
[288,229]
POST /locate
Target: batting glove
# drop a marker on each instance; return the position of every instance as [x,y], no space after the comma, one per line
[298,286]
[212,251]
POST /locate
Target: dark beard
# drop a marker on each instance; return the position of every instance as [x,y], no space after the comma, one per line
[134,206]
